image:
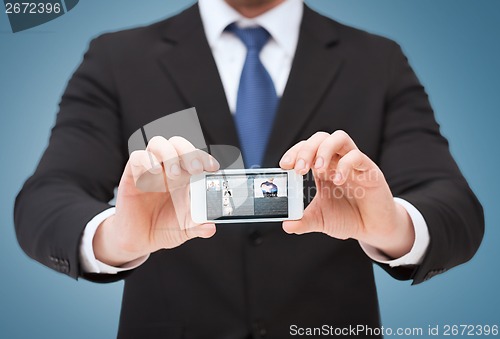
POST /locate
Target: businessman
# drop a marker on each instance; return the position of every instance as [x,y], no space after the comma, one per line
[289,88]
[269,189]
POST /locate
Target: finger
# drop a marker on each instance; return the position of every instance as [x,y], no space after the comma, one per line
[305,225]
[307,153]
[192,159]
[166,153]
[288,159]
[352,166]
[205,231]
[146,172]
[311,221]
[144,161]
[336,145]
[294,227]
[210,164]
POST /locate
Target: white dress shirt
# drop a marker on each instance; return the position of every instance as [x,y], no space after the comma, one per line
[282,23]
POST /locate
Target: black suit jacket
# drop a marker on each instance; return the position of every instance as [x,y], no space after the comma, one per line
[248,279]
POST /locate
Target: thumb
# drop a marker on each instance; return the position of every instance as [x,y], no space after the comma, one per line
[308,224]
[293,226]
[206,230]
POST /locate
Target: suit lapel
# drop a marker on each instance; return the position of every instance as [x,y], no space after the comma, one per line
[187,60]
[314,67]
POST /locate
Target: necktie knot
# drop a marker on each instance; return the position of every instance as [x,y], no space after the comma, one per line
[254,38]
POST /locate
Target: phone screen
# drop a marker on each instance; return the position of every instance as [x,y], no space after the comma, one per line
[247,196]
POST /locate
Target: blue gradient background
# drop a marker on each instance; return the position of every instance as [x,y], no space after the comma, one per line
[454,46]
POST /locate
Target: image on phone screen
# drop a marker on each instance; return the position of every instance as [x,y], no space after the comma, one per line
[247,196]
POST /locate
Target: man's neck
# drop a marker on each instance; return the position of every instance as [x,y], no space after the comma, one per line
[253,8]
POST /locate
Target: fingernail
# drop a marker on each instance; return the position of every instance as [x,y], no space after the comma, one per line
[301,164]
[196,164]
[286,160]
[175,169]
[318,163]
[213,163]
[338,178]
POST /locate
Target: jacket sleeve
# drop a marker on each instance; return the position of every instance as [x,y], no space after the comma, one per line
[419,168]
[78,171]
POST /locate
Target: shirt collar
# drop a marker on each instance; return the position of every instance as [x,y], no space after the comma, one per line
[282,22]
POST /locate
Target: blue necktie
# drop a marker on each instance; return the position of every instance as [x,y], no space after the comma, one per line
[257,100]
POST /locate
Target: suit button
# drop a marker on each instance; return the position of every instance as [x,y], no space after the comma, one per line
[256,238]
[259,329]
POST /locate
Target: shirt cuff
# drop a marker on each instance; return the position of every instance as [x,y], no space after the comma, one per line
[419,248]
[88,261]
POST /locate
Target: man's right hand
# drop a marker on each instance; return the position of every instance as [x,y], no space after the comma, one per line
[152,206]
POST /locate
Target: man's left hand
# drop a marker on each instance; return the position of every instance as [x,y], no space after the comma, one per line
[353,199]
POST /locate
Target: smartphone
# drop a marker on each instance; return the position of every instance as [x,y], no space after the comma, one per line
[242,195]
